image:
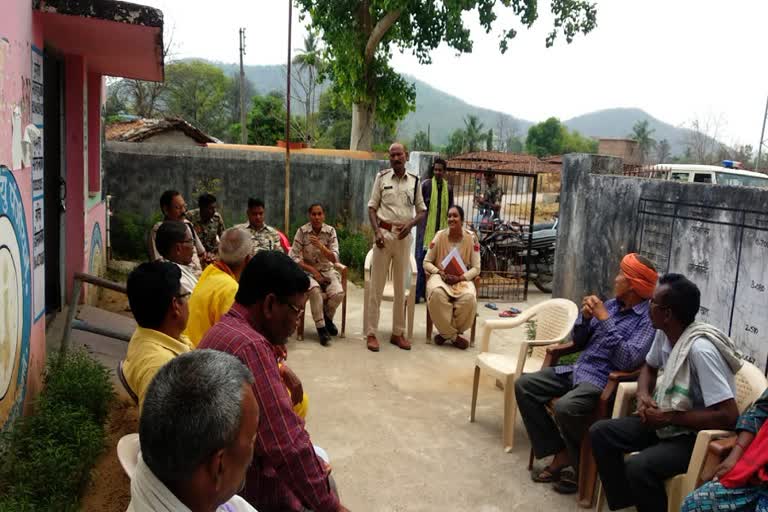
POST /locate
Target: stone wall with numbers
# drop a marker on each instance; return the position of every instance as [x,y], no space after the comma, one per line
[716,235]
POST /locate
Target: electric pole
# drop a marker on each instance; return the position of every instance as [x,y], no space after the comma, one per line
[763,140]
[243,128]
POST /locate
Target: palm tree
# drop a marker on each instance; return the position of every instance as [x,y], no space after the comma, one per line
[309,64]
[642,135]
[473,132]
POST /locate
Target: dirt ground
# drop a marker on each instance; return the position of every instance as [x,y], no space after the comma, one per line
[109,489]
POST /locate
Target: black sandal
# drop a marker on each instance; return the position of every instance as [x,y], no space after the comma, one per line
[567,484]
[546,475]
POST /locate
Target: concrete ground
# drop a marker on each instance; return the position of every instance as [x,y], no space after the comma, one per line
[395,423]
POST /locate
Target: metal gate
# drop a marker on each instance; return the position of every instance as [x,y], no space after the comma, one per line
[503,231]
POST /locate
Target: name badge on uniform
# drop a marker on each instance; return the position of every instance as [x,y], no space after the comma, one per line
[387,187]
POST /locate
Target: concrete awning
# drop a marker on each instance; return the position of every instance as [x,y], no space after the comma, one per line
[116,38]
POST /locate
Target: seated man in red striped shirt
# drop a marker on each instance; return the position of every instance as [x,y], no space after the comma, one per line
[286,474]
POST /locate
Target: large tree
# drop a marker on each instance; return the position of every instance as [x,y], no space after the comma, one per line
[360,36]
[545,138]
[197,92]
[307,66]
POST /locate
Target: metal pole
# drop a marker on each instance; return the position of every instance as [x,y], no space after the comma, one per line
[287,212]
[243,127]
[762,139]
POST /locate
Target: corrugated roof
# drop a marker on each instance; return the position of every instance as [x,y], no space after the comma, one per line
[142,129]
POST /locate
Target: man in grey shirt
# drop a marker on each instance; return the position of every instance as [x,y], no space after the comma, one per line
[697,393]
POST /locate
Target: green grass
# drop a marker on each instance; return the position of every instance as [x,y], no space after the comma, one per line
[47,456]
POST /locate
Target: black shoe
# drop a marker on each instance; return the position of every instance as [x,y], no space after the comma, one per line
[325,337]
[329,326]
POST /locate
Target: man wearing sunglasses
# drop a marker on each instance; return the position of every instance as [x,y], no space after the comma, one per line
[287,475]
[159,305]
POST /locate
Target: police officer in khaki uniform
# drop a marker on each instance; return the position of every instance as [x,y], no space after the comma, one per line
[391,211]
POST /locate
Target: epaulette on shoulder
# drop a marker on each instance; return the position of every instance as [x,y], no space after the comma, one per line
[413,175]
[384,172]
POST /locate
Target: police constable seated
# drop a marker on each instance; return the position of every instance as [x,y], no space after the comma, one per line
[315,248]
[695,391]
[451,294]
[614,336]
[175,244]
[263,237]
[395,207]
[197,432]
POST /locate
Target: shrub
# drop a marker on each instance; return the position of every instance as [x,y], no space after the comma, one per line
[48,455]
[353,247]
[129,232]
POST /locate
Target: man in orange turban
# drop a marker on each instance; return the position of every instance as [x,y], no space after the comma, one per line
[612,335]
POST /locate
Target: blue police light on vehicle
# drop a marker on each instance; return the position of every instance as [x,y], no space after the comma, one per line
[732,164]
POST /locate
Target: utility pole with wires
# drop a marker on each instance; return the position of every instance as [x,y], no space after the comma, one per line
[243,127]
[763,141]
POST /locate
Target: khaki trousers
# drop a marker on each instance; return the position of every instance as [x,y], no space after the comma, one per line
[398,254]
[334,293]
[452,316]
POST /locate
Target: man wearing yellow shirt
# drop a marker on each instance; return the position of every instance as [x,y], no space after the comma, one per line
[217,286]
[160,307]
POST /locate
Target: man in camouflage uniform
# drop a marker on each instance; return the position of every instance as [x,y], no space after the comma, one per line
[263,237]
[315,248]
[488,197]
[207,222]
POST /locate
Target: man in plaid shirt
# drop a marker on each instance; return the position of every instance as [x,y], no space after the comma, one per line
[615,335]
[286,474]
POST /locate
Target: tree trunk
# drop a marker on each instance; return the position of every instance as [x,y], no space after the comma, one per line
[361,136]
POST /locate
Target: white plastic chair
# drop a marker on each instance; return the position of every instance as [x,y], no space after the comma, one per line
[554,322]
[128,453]
[750,384]
[389,291]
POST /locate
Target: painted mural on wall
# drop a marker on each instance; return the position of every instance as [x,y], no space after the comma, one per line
[15,298]
[723,250]
[95,253]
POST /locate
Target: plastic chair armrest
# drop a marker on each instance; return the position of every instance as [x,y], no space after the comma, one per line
[722,447]
[557,351]
[625,392]
[699,457]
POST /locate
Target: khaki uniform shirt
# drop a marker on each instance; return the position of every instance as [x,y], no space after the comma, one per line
[303,250]
[209,232]
[264,239]
[395,198]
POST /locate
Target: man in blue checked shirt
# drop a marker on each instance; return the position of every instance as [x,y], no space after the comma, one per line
[615,335]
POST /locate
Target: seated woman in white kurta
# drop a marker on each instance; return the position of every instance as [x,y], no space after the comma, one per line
[452,298]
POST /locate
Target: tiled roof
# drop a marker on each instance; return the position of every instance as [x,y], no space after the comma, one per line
[142,129]
[498,161]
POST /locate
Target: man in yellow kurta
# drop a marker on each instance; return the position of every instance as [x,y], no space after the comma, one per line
[216,289]
[160,307]
[451,294]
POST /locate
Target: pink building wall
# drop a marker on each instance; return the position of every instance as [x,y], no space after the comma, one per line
[22,286]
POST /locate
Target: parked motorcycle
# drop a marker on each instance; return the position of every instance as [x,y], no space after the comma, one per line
[504,248]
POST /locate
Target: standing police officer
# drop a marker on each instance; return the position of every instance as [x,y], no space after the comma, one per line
[391,211]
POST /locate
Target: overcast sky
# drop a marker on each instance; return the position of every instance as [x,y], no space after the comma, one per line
[677,59]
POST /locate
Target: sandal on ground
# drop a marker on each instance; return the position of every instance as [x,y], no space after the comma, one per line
[508,314]
[546,475]
[492,306]
[567,484]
